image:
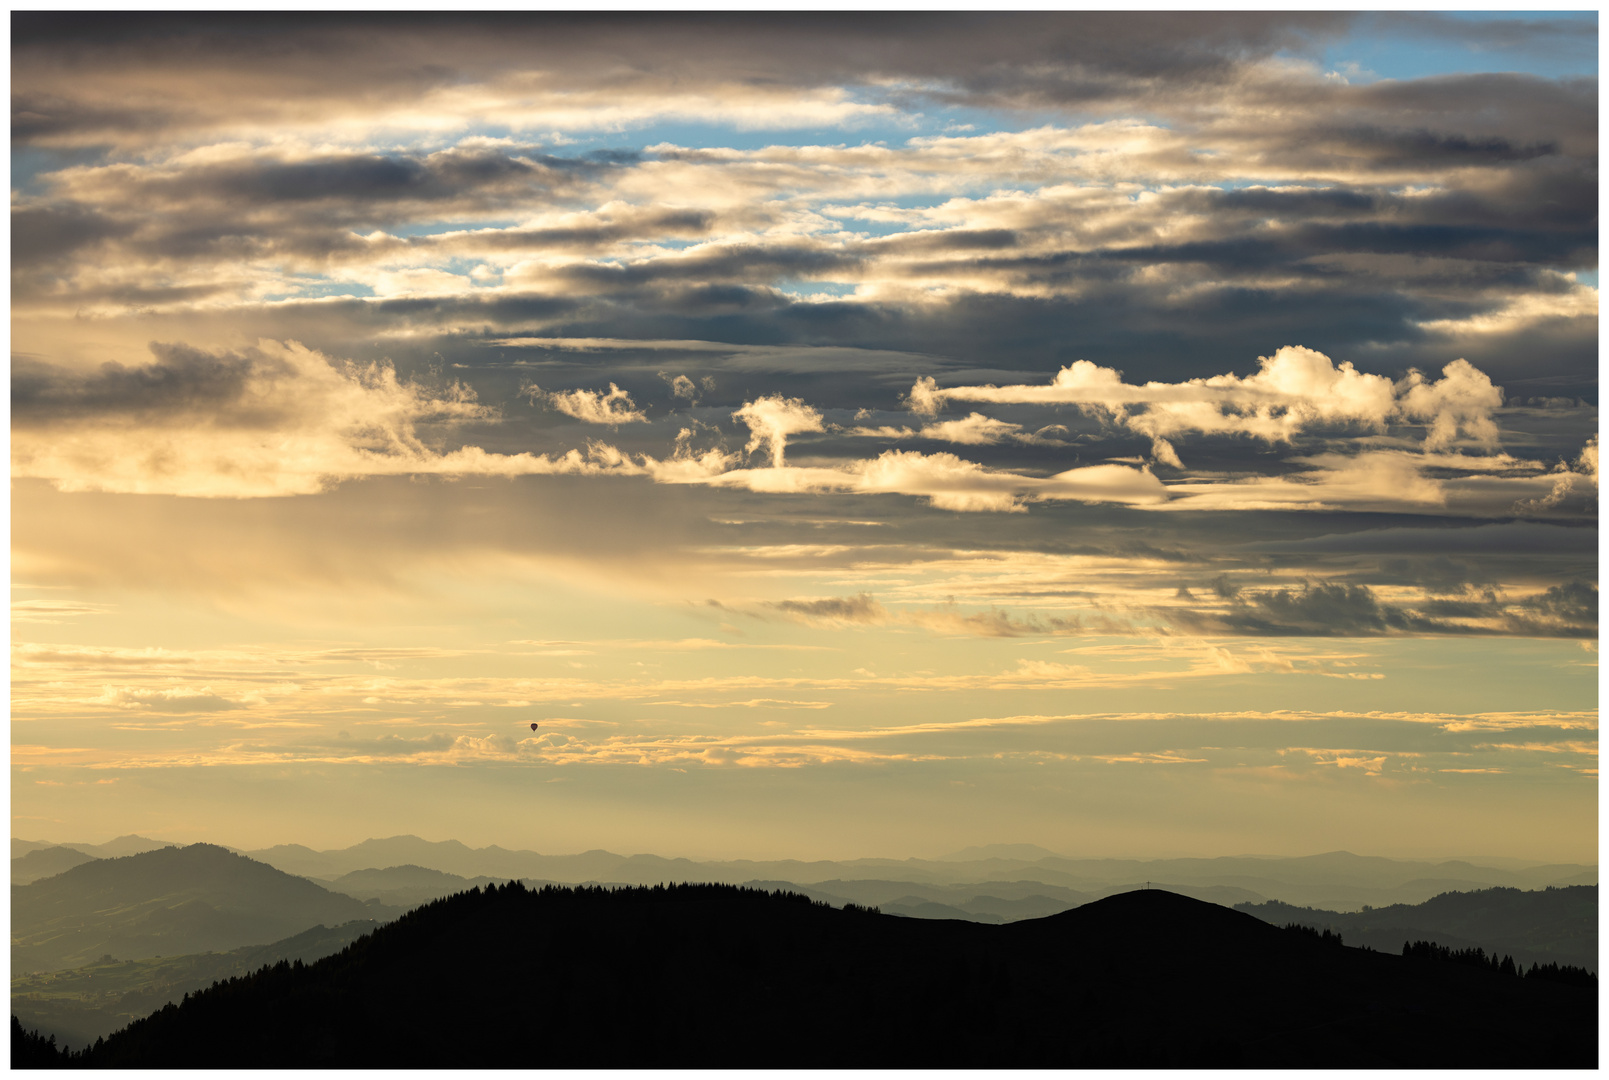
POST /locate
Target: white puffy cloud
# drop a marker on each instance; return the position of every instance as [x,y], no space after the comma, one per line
[592,406]
[1463,400]
[1294,390]
[975,430]
[1164,452]
[772,419]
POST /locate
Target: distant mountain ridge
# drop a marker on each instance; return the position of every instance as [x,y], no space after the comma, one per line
[112,849]
[165,902]
[1334,880]
[717,977]
[46,862]
[404,887]
[1554,925]
[1021,852]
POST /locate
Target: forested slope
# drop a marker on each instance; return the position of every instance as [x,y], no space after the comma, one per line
[709,976]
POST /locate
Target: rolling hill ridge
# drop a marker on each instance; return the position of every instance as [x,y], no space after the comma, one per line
[715,976]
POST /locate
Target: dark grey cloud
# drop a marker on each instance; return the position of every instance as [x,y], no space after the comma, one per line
[653,225]
[1329,609]
[1575,602]
[1034,60]
[1273,248]
[1436,574]
[367,184]
[182,380]
[725,263]
[1025,59]
[367,177]
[1354,267]
[1533,33]
[1395,149]
[52,117]
[956,240]
[53,233]
[1549,196]
[309,211]
[1144,333]
[1511,537]
[861,607]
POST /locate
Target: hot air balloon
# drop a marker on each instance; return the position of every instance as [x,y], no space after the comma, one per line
[533,727]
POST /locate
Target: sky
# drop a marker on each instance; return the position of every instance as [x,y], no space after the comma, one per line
[842,435]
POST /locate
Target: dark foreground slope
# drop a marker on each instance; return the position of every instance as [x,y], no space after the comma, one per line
[718,976]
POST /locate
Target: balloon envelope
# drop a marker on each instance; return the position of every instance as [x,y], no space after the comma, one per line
[533,727]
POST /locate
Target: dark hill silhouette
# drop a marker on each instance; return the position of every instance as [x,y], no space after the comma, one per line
[710,976]
[45,862]
[166,902]
[1554,925]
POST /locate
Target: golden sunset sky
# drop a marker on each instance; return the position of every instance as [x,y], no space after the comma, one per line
[1129,433]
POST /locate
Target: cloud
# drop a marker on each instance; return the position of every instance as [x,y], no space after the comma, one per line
[975,430]
[172,700]
[1528,538]
[1349,759]
[1322,609]
[682,387]
[410,68]
[1463,400]
[1379,480]
[861,608]
[771,419]
[53,611]
[272,420]
[949,482]
[1294,390]
[591,406]
[1567,480]
[864,610]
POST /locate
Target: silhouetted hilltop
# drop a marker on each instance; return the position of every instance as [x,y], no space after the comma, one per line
[1553,925]
[710,976]
[165,902]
